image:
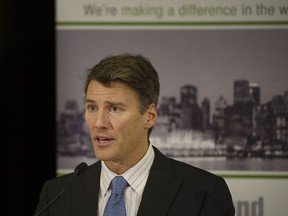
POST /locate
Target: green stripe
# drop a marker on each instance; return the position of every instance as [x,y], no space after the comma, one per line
[252,23]
[237,176]
[247,176]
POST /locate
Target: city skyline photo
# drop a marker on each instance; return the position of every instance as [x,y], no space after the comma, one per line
[210,60]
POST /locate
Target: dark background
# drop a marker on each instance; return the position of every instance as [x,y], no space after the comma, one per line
[27,92]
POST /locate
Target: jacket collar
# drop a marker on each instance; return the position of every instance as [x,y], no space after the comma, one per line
[161,187]
[86,190]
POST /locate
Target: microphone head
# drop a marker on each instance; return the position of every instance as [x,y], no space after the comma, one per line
[80,168]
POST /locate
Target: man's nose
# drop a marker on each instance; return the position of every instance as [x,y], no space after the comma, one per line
[101,119]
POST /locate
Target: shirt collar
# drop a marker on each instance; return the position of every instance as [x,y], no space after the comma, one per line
[136,176]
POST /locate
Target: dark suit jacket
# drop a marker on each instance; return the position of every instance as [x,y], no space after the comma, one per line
[173,188]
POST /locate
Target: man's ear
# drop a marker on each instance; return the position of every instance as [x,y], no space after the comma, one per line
[151,116]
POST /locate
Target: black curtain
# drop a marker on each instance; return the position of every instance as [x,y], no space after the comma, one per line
[27,94]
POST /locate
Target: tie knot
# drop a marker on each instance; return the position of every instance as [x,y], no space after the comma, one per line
[118,185]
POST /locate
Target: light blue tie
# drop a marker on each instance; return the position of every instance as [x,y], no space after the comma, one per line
[115,205]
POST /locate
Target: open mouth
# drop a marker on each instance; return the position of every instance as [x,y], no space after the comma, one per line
[103,139]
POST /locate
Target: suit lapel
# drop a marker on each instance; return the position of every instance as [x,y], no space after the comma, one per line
[160,190]
[85,192]
[161,187]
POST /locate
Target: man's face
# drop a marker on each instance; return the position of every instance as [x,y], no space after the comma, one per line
[118,130]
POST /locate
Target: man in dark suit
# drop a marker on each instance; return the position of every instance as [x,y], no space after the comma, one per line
[121,95]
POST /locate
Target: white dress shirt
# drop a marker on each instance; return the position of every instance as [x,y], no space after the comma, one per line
[136,177]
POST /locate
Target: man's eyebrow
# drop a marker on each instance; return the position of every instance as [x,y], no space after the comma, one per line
[109,103]
[88,100]
[115,103]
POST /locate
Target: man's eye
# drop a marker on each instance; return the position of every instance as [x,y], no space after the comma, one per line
[91,108]
[114,109]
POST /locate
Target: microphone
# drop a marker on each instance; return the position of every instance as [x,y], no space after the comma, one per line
[79,169]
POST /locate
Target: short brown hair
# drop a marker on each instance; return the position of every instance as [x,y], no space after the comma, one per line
[135,71]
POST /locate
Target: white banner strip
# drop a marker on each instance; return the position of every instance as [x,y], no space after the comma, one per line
[165,11]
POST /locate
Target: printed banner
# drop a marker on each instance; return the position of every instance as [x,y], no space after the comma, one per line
[223,103]
[171,11]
